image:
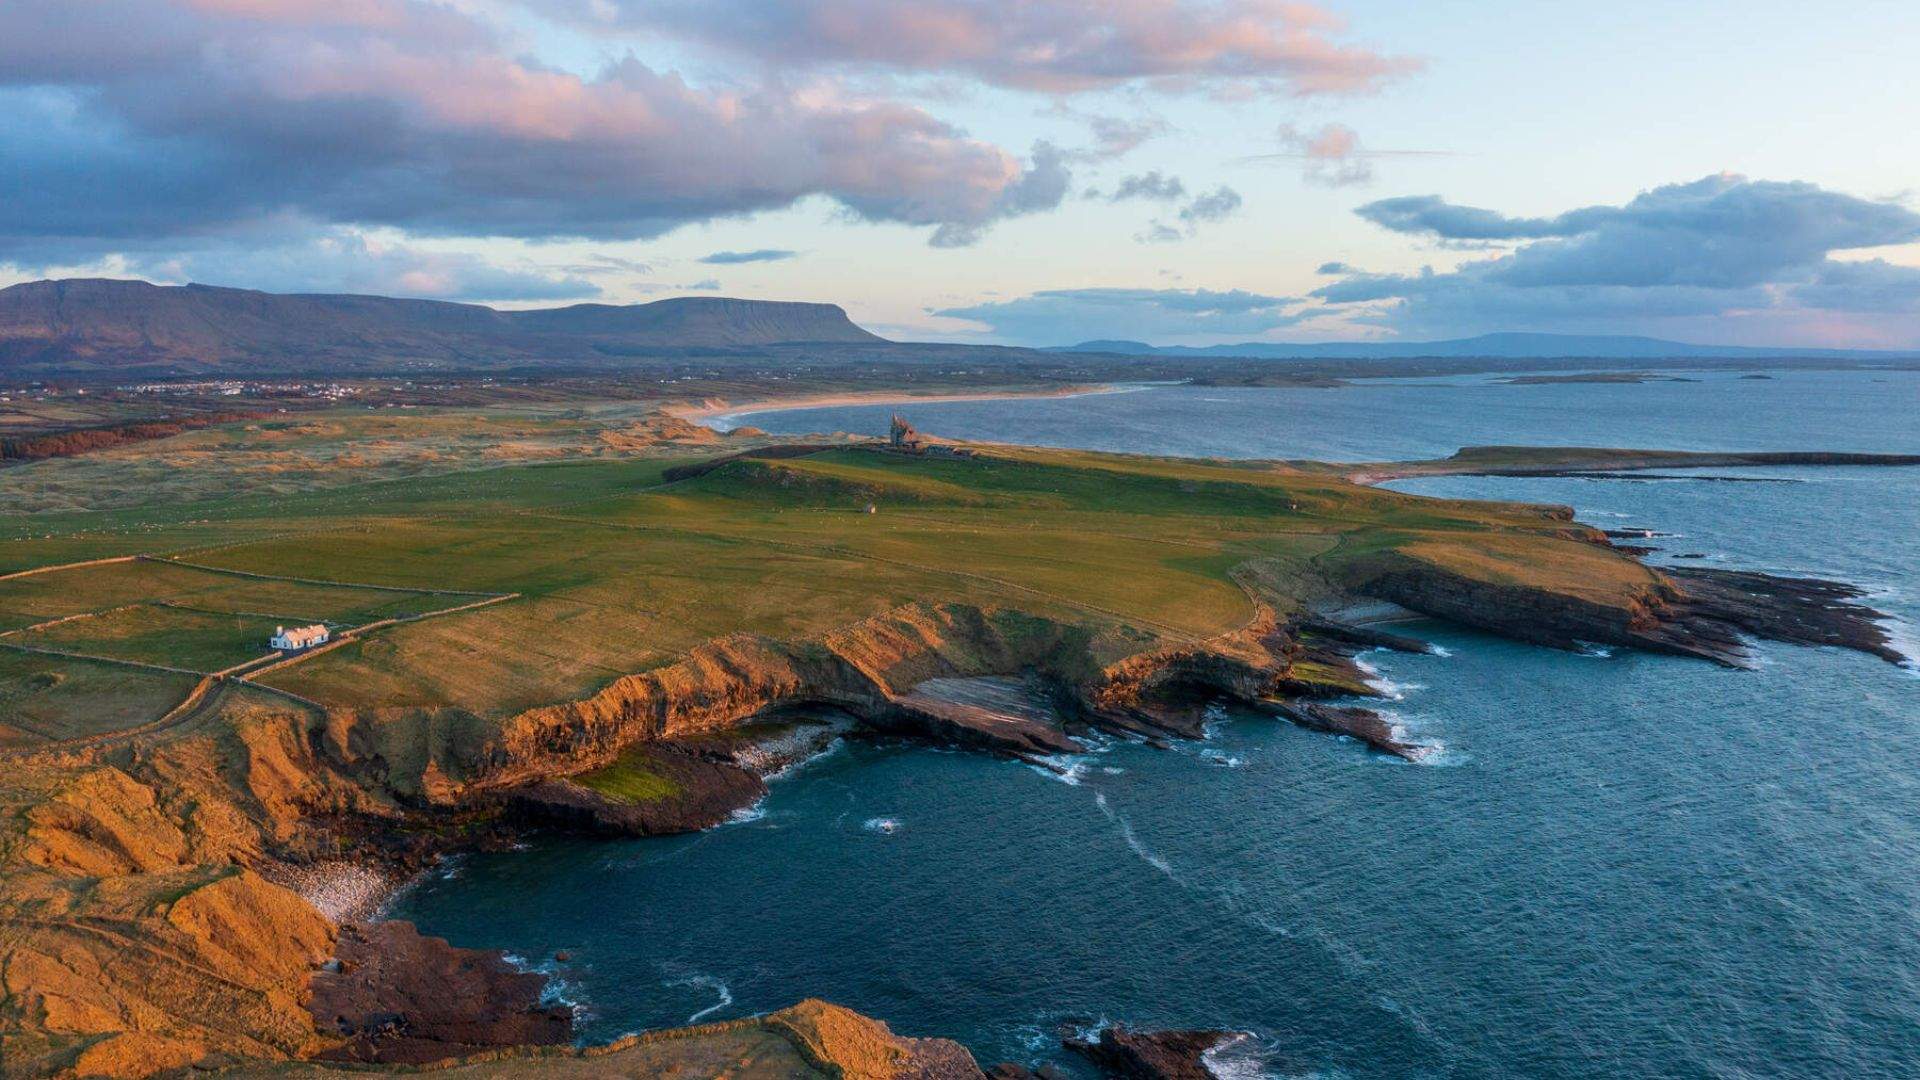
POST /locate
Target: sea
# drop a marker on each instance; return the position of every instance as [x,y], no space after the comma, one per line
[1614,864]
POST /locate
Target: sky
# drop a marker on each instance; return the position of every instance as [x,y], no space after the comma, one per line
[1018,171]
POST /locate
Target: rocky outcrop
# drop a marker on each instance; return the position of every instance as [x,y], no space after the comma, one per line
[862,670]
[1152,1055]
[1365,725]
[813,1040]
[1167,689]
[1700,613]
[687,792]
[392,994]
[122,976]
[1798,611]
[1575,461]
[995,713]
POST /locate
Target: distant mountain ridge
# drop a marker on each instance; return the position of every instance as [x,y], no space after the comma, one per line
[1503,345]
[101,329]
[98,324]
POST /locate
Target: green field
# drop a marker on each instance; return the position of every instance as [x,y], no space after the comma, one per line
[45,698]
[619,572]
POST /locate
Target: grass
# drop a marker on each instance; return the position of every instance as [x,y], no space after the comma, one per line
[180,616]
[630,780]
[156,635]
[619,572]
[45,698]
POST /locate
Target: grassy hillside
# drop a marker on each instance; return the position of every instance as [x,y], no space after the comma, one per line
[618,571]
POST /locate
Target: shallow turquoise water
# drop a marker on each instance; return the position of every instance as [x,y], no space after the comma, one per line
[1619,865]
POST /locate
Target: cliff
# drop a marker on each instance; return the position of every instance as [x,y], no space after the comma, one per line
[813,1040]
[141,926]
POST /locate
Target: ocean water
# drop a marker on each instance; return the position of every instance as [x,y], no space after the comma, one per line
[1619,865]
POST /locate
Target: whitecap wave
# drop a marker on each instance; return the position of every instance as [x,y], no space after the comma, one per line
[1066,768]
[557,991]
[1388,688]
[798,764]
[1133,841]
[706,982]
[1902,638]
[1240,1058]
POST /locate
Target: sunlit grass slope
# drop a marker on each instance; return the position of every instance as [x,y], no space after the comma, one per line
[619,571]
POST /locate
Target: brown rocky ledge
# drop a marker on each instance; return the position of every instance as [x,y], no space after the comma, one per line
[1707,614]
[236,962]
[393,994]
[813,1040]
[1152,1055]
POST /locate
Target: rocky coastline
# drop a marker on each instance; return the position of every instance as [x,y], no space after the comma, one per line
[705,742]
[352,806]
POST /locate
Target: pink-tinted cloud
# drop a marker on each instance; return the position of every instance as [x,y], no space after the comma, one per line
[1331,154]
[1051,46]
[146,120]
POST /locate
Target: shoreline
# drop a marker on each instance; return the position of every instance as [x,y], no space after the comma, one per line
[713,408]
[344,890]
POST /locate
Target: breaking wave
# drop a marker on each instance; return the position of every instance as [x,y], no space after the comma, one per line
[706,982]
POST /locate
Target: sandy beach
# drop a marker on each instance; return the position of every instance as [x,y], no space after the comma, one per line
[714,407]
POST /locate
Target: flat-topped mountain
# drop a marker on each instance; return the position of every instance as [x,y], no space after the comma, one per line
[102,325]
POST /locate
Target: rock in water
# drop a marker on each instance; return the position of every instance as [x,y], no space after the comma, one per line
[1365,725]
[1152,1055]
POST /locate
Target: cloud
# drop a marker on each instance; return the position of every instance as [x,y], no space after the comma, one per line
[1048,46]
[1159,232]
[1041,187]
[196,118]
[345,262]
[1722,247]
[1148,185]
[1332,154]
[1066,316]
[758,255]
[1868,285]
[602,263]
[1117,136]
[1216,205]
[1432,215]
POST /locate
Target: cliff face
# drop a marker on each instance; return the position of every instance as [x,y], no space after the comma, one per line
[1112,678]
[118,957]
[813,1040]
[133,938]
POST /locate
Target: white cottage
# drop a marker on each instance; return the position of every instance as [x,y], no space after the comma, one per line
[300,637]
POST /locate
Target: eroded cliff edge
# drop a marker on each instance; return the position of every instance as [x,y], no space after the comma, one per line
[142,930]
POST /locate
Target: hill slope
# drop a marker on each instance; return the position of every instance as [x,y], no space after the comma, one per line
[102,325]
